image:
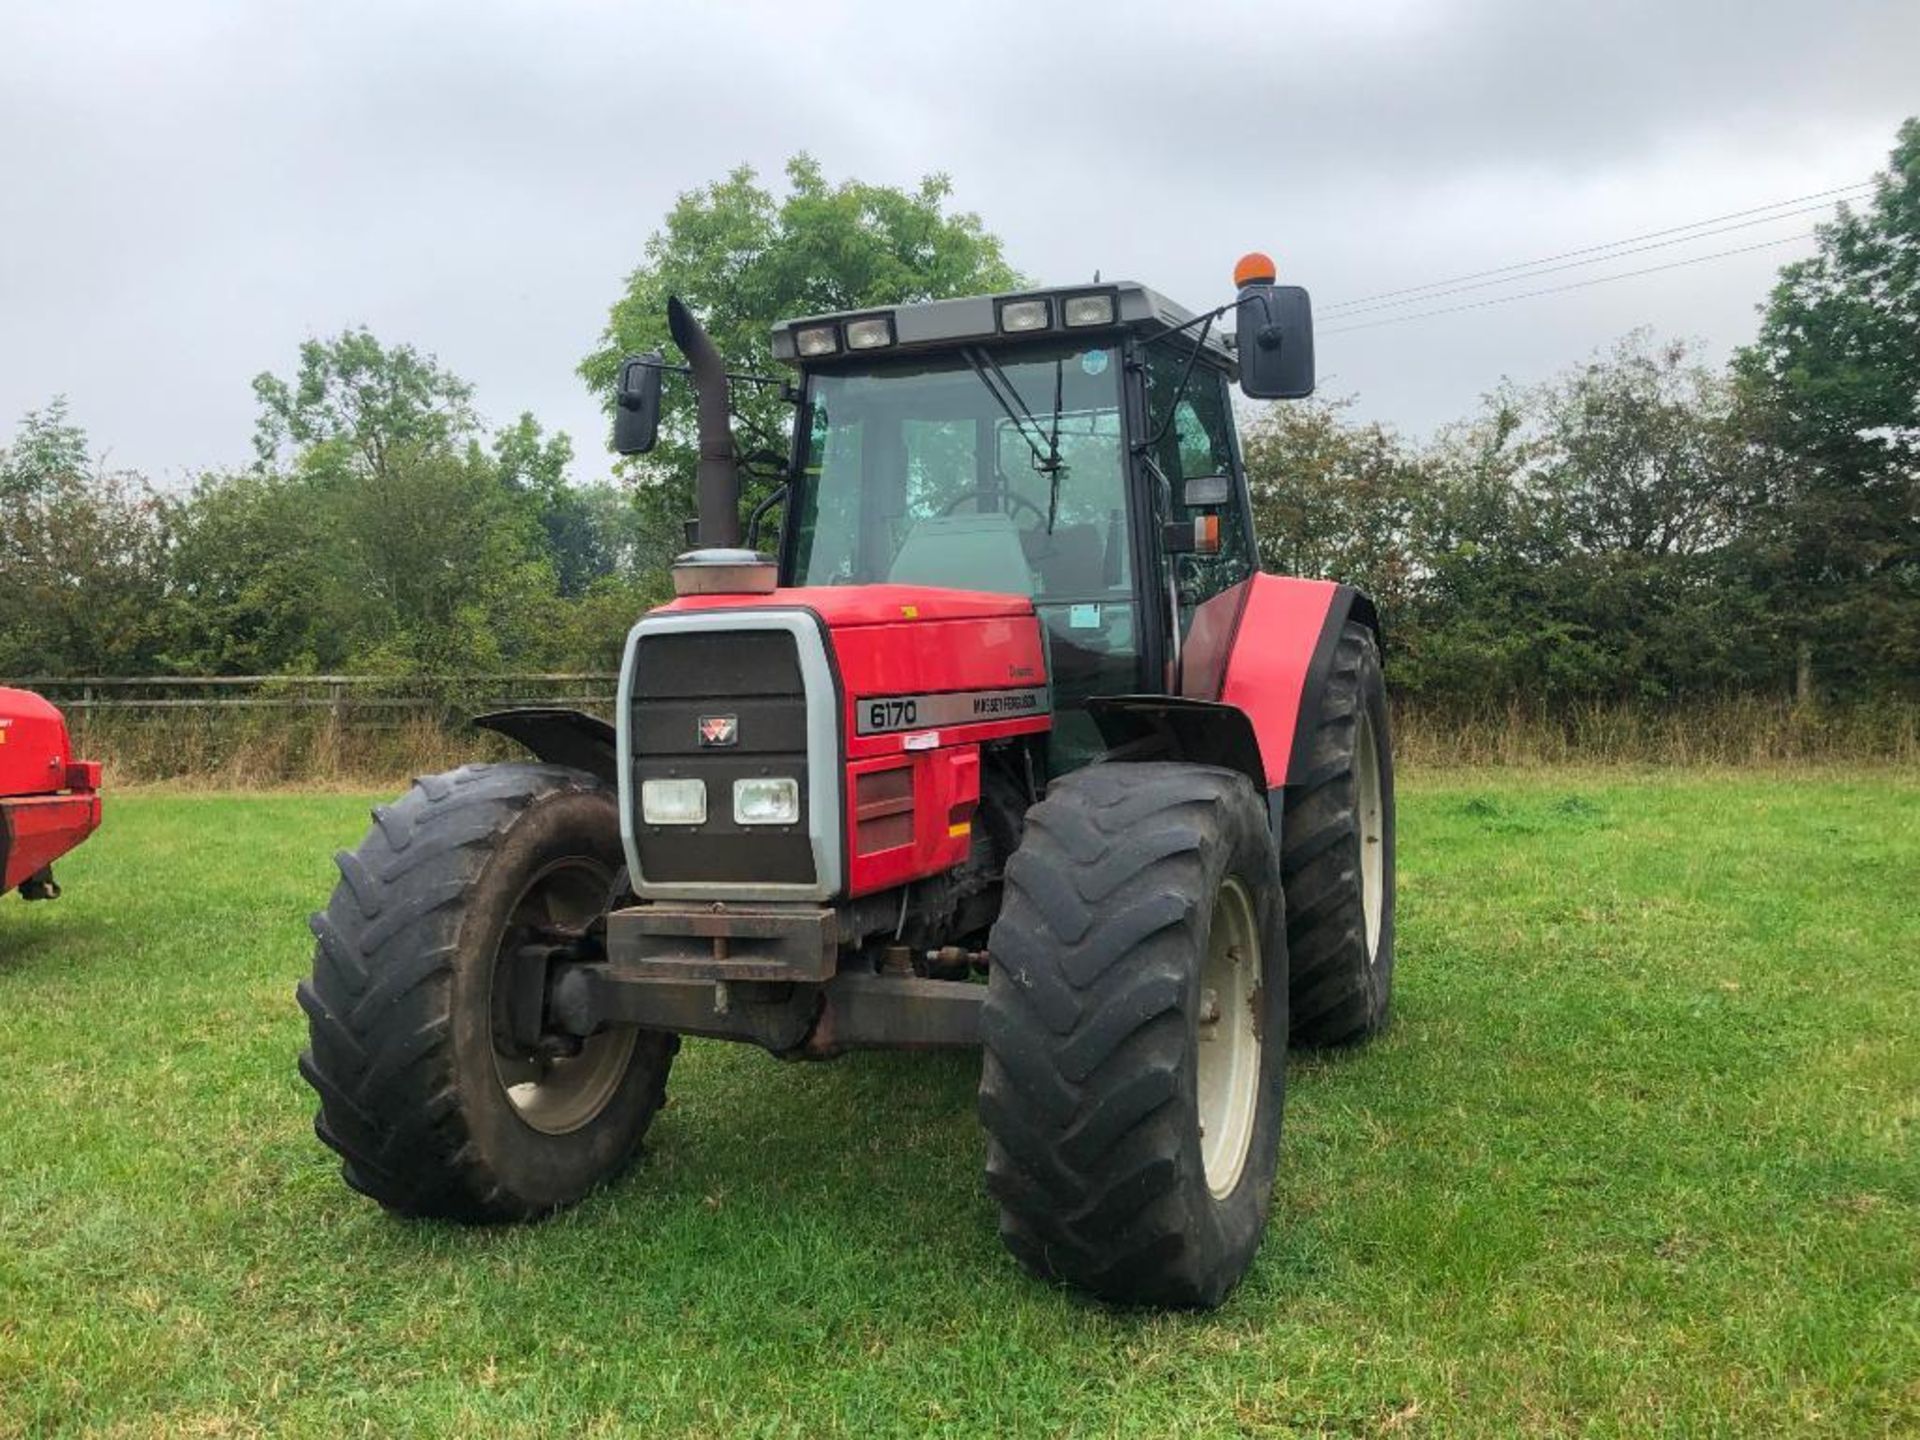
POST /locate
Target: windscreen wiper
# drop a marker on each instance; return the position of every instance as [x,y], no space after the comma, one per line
[1053,443]
[1047,462]
[989,371]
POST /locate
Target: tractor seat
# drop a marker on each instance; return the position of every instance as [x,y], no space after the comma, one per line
[965,552]
[1070,561]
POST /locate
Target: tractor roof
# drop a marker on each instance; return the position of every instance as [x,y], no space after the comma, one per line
[943,324]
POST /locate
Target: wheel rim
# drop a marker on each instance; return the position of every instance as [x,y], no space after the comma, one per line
[1229,1050]
[559,1093]
[1371,817]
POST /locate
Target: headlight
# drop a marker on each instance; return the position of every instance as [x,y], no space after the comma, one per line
[1018,315]
[673,802]
[816,340]
[873,333]
[1087,310]
[764,801]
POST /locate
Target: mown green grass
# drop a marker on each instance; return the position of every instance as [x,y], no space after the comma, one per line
[1637,1157]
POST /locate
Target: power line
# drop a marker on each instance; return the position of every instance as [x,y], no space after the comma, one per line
[1575,285]
[1597,249]
[1354,307]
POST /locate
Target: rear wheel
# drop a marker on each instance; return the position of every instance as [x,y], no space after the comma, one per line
[1135,1030]
[437,1101]
[1337,856]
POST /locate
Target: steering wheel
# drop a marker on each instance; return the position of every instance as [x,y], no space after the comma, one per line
[1003,495]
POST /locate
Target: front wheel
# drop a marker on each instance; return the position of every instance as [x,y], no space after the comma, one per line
[435,1103]
[1136,1034]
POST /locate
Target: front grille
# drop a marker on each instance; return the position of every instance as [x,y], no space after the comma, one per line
[693,681]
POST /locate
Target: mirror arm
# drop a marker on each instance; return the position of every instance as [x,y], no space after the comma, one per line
[745,375]
[773,497]
[1173,402]
[1206,318]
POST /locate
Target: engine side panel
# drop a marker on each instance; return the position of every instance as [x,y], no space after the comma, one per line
[921,696]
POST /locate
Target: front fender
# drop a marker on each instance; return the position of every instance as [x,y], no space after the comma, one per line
[561,737]
[1179,727]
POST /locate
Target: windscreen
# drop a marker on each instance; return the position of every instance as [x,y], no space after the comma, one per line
[999,470]
[1033,438]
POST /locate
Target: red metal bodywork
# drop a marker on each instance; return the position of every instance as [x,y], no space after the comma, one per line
[49,802]
[890,640]
[1253,646]
[1261,646]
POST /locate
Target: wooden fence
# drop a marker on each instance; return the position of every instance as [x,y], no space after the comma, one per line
[359,697]
[243,730]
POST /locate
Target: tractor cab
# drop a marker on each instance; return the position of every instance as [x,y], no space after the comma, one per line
[1074,446]
[1044,444]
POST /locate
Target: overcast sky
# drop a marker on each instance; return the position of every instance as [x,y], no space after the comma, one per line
[189,189]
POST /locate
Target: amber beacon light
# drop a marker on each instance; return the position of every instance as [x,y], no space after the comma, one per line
[1254,268]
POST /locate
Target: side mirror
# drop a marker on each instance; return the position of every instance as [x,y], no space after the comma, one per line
[1206,490]
[636,409]
[1275,342]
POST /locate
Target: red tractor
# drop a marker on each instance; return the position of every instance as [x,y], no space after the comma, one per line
[1009,745]
[49,802]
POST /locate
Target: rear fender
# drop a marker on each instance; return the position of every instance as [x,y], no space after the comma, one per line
[561,737]
[1265,647]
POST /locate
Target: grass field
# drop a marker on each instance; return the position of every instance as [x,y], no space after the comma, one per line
[1637,1157]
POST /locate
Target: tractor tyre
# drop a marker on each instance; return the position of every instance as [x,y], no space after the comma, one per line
[434,1109]
[1336,853]
[1136,1034]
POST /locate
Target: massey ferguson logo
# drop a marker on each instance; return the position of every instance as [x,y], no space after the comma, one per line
[718,730]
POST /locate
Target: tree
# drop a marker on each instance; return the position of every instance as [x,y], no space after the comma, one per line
[533,466]
[1332,498]
[1640,453]
[421,549]
[745,260]
[530,461]
[83,553]
[259,577]
[47,448]
[1581,540]
[451,567]
[354,401]
[1834,381]
[1577,540]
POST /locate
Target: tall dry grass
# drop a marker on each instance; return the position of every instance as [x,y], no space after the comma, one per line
[264,748]
[1739,731]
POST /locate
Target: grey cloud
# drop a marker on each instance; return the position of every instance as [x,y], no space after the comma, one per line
[188,190]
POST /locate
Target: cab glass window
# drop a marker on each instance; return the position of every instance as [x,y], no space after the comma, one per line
[1197,441]
[993,469]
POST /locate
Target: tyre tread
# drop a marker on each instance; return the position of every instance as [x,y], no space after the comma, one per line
[1338,994]
[378,1001]
[1085,1042]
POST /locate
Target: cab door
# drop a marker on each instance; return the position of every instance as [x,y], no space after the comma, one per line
[1192,437]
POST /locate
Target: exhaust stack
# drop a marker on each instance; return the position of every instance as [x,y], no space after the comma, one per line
[717,483]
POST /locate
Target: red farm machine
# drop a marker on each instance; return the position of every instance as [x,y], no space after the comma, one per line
[1007,744]
[49,802]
